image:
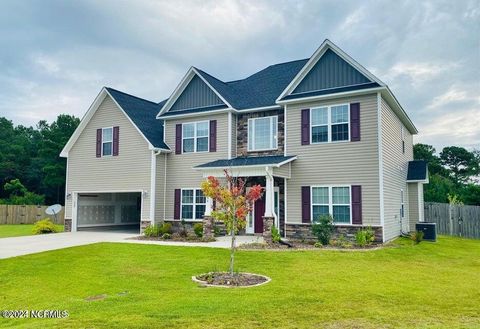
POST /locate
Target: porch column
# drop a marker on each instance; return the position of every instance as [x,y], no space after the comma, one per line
[269,193]
[208,206]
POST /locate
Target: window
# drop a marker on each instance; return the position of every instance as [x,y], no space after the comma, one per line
[403,140]
[334,200]
[330,123]
[193,204]
[195,136]
[107,141]
[262,133]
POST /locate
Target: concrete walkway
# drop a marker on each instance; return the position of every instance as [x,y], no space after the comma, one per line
[24,245]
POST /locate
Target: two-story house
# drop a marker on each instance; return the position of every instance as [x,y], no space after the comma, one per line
[323,135]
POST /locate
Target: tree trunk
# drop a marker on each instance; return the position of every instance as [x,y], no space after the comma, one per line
[232,252]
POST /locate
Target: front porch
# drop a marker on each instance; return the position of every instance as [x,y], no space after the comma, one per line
[270,172]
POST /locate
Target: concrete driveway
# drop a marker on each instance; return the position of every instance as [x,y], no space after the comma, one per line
[24,245]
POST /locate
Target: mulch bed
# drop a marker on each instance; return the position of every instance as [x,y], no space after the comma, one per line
[224,279]
[299,245]
[177,238]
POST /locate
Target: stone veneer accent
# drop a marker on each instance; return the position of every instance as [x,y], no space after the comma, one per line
[242,133]
[304,232]
[267,229]
[67,226]
[208,224]
[144,224]
[177,226]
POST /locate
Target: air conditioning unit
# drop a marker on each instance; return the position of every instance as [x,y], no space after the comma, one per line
[429,230]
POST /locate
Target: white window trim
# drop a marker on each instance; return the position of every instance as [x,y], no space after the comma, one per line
[329,123]
[194,204]
[330,201]
[250,120]
[103,141]
[195,123]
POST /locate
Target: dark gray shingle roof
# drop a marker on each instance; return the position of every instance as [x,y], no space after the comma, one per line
[247,161]
[417,170]
[143,114]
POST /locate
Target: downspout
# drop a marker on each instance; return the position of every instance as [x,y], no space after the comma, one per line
[153,171]
[164,187]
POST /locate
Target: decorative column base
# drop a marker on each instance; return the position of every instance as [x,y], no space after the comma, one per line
[267,229]
[144,224]
[67,225]
[208,223]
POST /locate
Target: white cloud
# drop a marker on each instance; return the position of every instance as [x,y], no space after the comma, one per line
[420,72]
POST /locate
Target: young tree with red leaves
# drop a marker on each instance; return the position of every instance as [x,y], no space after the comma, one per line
[233,203]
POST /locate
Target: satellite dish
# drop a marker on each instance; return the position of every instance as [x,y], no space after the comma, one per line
[53,209]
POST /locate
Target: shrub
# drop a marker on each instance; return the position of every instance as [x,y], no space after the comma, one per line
[216,230]
[341,242]
[44,226]
[275,235]
[364,237]
[198,229]
[318,245]
[166,236]
[183,232]
[323,229]
[416,237]
[165,228]
[152,231]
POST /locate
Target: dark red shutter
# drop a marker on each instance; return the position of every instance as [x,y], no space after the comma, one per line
[306,216]
[355,122]
[176,211]
[116,131]
[306,127]
[356,204]
[213,135]
[178,139]
[99,143]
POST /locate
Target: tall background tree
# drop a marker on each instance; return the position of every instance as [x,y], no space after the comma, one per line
[455,171]
[31,156]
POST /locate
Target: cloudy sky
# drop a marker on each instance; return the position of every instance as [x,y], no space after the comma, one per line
[56,55]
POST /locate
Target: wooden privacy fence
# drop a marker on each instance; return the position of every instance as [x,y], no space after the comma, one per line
[455,220]
[18,214]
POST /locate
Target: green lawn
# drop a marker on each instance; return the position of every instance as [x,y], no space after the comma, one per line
[432,285]
[7,231]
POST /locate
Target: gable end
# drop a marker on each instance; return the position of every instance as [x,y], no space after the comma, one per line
[197,94]
[331,71]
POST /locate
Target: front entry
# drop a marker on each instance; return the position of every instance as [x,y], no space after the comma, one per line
[259,212]
[255,218]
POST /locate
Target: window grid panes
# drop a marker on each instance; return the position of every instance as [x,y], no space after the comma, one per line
[107,141]
[330,124]
[262,133]
[193,204]
[332,200]
[195,137]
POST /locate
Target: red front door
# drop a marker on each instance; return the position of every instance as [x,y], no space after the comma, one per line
[259,212]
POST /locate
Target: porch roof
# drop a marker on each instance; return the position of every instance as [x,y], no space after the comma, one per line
[267,161]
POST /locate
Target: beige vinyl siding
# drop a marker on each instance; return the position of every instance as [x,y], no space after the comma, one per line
[395,165]
[283,171]
[129,171]
[180,166]
[159,186]
[413,215]
[343,163]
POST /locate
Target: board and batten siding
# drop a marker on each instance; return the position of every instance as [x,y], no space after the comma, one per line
[180,172]
[129,171]
[395,166]
[342,163]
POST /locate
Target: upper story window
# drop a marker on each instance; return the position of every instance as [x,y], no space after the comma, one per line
[195,137]
[107,141]
[334,200]
[403,140]
[330,123]
[262,133]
